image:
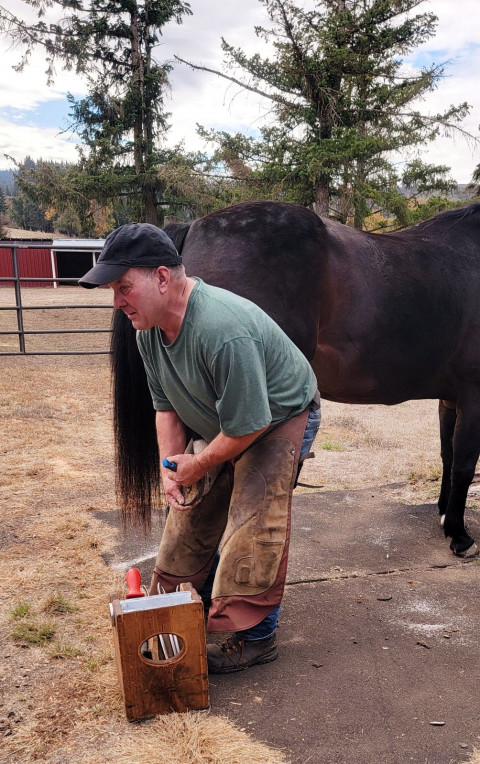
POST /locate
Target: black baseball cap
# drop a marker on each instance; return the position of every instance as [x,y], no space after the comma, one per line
[130,246]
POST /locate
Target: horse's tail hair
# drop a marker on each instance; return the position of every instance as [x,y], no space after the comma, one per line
[137,475]
[137,469]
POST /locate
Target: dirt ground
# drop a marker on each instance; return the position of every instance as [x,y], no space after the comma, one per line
[59,699]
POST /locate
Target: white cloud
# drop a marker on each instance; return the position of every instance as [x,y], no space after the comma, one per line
[18,141]
[199,97]
[22,92]
[457,27]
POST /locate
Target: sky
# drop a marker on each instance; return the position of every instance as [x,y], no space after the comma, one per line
[34,117]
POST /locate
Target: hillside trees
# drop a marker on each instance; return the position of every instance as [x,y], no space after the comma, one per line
[82,200]
[59,191]
[342,105]
[3,210]
[3,201]
[28,216]
[122,120]
[25,212]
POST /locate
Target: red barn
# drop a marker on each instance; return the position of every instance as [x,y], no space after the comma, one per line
[64,260]
[34,259]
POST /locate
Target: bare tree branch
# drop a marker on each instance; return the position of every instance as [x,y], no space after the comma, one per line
[270,96]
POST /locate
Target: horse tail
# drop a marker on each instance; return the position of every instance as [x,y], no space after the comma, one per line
[136,453]
[137,468]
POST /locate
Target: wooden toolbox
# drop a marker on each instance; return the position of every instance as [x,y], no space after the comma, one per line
[161,653]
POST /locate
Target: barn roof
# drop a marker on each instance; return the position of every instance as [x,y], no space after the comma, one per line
[77,245]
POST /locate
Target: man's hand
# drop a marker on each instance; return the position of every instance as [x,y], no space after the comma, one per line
[172,492]
[192,467]
[171,439]
[188,471]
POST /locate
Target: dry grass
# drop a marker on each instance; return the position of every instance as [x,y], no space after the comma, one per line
[60,696]
[362,446]
[195,738]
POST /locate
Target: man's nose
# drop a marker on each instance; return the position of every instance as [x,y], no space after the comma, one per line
[118,301]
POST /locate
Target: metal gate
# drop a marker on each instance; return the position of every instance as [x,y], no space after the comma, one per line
[19,308]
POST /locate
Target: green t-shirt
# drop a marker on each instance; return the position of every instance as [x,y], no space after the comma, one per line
[230,369]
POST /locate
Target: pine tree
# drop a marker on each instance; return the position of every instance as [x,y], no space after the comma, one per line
[112,42]
[340,103]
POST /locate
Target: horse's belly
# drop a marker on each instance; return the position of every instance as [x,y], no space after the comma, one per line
[339,381]
[348,378]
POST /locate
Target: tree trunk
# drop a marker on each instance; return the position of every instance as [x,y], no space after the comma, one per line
[142,130]
[138,83]
[358,198]
[150,213]
[322,198]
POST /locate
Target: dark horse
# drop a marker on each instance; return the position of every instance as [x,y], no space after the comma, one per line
[382,319]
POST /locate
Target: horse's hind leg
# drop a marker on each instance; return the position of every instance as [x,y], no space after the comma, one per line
[466,448]
[447,413]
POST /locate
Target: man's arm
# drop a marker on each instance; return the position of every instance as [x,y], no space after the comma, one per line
[191,468]
[171,438]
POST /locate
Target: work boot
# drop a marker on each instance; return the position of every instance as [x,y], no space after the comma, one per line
[236,654]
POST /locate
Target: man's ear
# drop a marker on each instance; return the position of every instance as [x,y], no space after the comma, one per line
[162,276]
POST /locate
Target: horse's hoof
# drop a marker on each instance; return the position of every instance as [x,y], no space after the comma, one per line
[472,551]
[442,520]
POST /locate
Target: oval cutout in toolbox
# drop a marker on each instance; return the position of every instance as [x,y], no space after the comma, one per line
[161,648]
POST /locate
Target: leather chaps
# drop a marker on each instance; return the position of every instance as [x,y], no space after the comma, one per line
[246,514]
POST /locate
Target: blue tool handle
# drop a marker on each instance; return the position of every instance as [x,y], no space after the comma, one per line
[169,465]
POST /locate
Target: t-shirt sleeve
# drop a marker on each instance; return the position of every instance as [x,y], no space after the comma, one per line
[159,399]
[239,378]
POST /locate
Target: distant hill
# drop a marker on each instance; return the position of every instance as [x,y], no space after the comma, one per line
[462,193]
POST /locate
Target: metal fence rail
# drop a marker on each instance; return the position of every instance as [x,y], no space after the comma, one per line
[19,308]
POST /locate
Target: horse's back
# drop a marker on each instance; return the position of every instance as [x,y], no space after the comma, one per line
[267,252]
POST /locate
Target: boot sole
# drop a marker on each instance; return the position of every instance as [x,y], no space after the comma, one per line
[268,658]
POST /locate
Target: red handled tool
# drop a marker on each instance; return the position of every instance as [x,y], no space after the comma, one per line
[134,580]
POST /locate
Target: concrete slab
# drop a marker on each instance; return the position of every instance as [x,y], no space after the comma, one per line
[339,532]
[378,638]
[366,665]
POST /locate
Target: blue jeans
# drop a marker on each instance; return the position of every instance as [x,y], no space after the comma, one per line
[311,429]
[266,627]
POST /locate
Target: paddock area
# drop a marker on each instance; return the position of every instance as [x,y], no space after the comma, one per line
[379,631]
[44,311]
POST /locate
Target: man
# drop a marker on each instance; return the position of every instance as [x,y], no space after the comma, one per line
[219,369]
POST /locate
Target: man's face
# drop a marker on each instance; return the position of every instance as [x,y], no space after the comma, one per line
[136,293]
